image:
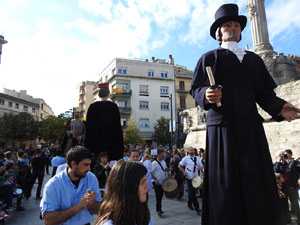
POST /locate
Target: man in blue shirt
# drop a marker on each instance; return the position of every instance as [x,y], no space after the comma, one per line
[72,196]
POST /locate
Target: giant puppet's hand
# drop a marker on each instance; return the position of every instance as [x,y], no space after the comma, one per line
[213,95]
[290,112]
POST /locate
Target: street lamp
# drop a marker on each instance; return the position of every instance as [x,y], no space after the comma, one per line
[170,97]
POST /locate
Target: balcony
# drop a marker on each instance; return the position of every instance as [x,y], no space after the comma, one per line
[118,92]
[125,110]
[180,90]
[81,100]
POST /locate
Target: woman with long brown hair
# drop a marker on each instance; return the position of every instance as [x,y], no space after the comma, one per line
[124,201]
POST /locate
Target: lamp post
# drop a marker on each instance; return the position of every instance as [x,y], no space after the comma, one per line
[170,97]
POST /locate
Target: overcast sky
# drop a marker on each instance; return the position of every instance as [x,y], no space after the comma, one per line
[55,44]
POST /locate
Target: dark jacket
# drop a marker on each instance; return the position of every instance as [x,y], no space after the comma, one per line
[103,129]
[292,170]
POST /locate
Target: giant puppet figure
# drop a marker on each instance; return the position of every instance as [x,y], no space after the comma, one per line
[74,133]
[103,127]
[239,182]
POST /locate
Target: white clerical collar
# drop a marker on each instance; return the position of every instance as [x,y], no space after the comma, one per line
[234,47]
[230,45]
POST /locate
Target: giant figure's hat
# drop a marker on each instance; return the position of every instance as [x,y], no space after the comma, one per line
[227,12]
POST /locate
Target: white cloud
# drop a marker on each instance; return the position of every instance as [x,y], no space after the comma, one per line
[97,7]
[283,17]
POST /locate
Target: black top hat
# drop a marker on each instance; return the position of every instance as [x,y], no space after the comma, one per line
[227,12]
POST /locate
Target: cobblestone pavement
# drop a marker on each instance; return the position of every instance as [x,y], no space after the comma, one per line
[176,212]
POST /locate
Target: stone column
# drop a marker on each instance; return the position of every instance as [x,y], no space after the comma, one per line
[259,28]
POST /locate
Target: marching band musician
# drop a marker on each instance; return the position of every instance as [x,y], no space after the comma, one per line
[192,166]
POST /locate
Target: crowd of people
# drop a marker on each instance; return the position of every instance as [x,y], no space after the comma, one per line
[74,194]
[19,170]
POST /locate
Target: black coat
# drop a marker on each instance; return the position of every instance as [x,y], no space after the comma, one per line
[103,129]
[239,182]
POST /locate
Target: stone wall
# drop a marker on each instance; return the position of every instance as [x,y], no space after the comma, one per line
[283,135]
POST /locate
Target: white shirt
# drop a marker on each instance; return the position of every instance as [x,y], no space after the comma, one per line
[189,166]
[158,172]
[147,163]
[234,47]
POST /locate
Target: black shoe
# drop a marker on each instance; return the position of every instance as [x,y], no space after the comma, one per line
[198,212]
[191,207]
[160,212]
[20,208]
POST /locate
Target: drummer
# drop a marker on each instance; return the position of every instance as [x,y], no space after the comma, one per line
[192,166]
[159,168]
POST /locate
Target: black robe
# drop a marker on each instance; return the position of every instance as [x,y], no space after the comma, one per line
[103,130]
[239,182]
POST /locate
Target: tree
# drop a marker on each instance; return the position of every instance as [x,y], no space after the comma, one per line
[131,133]
[161,133]
[20,127]
[52,129]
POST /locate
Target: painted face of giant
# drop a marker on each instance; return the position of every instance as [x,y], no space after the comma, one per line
[231,31]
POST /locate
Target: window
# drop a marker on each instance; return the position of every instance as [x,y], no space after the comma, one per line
[1,102]
[10,104]
[150,73]
[182,102]
[164,106]
[25,108]
[164,90]
[122,71]
[143,89]
[144,122]
[164,75]
[16,105]
[33,110]
[144,105]
[121,103]
[181,85]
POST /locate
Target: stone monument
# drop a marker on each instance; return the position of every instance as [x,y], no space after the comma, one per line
[282,68]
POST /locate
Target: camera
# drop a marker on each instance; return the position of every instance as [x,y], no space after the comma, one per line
[285,156]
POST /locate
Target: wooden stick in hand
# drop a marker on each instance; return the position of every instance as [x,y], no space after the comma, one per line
[212,81]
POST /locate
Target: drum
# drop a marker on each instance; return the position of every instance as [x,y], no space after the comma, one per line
[170,188]
[197,182]
[18,191]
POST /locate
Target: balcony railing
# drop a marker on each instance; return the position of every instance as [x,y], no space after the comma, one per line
[120,92]
[125,110]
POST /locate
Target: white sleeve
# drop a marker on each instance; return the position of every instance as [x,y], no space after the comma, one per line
[182,162]
[199,162]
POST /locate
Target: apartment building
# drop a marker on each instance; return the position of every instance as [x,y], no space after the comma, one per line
[15,102]
[84,96]
[183,79]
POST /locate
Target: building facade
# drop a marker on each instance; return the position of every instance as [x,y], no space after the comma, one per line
[13,102]
[141,89]
[184,100]
[84,96]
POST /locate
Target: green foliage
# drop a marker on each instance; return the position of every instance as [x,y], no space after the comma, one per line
[131,133]
[161,133]
[52,128]
[20,127]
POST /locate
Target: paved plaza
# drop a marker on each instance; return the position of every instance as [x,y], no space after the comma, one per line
[176,212]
